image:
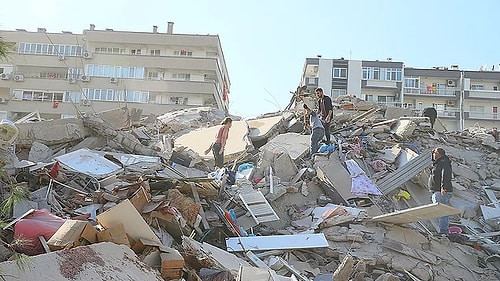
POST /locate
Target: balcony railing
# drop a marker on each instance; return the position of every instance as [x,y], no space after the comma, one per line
[431,91]
[484,94]
[390,103]
[483,115]
[448,112]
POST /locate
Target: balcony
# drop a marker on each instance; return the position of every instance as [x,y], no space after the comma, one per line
[450,112]
[481,115]
[389,103]
[483,94]
[431,91]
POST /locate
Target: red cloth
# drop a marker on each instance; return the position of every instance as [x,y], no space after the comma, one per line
[28,229]
[55,170]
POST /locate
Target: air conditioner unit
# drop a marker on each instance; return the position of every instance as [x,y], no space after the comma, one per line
[86,102]
[4,76]
[450,103]
[85,78]
[19,78]
[450,83]
[61,57]
[87,55]
[113,80]
[72,80]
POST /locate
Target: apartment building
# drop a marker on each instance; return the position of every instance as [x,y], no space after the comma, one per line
[377,81]
[462,98]
[63,75]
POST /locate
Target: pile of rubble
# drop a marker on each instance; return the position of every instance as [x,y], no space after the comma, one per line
[114,196]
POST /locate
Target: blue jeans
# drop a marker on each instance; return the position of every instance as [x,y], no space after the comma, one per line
[316,136]
[443,222]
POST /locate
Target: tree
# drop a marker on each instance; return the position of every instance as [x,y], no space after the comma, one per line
[4,48]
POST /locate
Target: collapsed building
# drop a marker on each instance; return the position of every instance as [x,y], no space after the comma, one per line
[116,196]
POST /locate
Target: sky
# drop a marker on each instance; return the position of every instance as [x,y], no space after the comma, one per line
[265,43]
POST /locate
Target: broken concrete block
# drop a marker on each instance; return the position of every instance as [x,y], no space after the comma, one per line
[39,152]
[52,132]
[405,128]
[388,277]
[284,167]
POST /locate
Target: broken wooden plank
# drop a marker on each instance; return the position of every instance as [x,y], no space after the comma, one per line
[44,244]
[197,200]
[259,243]
[426,212]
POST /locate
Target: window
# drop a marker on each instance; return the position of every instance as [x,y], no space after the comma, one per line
[136,52]
[476,87]
[181,76]
[476,108]
[495,88]
[369,98]
[109,50]
[375,73]
[178,100]
[115,71]
[370,73]
[384,99]
[412,83]
[49,49]
[339,72]
[338,92]
[137,96]
[155,53]
[392,74]
[153,75]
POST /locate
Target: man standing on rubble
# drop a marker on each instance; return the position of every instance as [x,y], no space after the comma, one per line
[317,130]
[325,111]
[431,113]
[440,184]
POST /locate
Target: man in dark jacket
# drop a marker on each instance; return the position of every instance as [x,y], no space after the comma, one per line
[440,184]
[325,111]
[431,113]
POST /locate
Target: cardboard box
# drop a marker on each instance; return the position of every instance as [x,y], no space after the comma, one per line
[70,234]
[114,234]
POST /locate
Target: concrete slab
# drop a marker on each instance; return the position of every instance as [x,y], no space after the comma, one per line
[264,128]
[118,117]
[199,140]
[331,170]
[52,132]
[94,262]
[295,145]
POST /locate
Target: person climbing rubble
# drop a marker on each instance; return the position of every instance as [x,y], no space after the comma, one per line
[440,184]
